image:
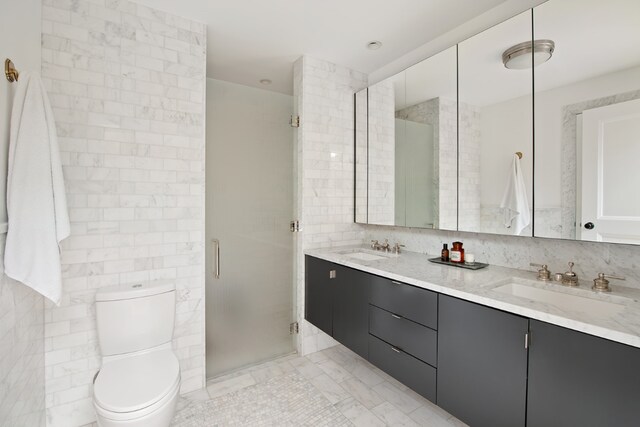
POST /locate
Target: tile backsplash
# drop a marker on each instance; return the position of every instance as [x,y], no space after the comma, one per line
[590,258]
[127,86]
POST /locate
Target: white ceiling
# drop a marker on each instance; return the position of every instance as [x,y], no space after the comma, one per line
[593,38]
[250,40]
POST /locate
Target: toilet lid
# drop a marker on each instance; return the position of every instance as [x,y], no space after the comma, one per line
[133,383]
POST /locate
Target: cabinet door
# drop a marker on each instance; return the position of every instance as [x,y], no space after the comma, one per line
[318,294]
[577,379]
[482,364]
[351,309]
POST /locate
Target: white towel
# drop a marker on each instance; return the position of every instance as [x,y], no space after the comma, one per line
[36,201]
[515,204]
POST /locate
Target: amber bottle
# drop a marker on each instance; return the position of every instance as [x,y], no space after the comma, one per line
[445,253]
[457,252]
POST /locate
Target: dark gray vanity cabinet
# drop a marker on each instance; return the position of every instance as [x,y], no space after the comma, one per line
[577,379]
[403,337]
[337,302]
[350,310]
[482,364]
[318,296]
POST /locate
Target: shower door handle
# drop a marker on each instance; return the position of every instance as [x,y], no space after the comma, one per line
[216,258]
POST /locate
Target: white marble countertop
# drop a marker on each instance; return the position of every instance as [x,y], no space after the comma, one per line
[478,286]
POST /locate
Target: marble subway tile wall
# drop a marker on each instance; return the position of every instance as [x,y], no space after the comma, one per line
[21,352]
[127,84]
[381,154]
[517,252]
[323,97]
[469,210]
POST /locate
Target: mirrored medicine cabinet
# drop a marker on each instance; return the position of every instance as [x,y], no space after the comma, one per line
[477,139]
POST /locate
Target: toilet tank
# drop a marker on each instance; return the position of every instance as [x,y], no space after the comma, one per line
[134,317]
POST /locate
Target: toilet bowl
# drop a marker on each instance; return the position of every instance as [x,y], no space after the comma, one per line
[139,380]
[140,390]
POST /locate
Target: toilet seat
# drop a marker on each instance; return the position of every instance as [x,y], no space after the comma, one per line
[134,386]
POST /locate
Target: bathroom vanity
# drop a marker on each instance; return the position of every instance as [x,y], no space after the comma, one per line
[488,357]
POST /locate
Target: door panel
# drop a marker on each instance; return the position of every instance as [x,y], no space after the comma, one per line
[351,309]
[249,203]
[610,175]
[320,276]
[577,379]
[482,364]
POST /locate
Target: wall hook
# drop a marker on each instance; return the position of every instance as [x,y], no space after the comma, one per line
[10,71]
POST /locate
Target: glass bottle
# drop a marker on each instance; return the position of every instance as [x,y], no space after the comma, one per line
[444,256]
[457,252]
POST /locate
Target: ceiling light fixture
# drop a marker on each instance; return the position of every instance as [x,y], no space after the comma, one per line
[519,57]
[374,45]
[266,82]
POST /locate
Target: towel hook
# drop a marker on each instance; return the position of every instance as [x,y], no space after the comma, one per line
[10,71]
[519,154]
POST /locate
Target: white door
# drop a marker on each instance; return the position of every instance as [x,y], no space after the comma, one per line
[611,173]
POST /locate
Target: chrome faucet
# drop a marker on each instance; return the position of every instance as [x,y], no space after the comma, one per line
[381,246]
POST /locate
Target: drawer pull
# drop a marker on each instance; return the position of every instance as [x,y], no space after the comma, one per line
[395,316]
[397,350]
[396,283]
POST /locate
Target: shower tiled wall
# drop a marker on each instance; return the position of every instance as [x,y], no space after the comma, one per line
[323,97]
[127,87]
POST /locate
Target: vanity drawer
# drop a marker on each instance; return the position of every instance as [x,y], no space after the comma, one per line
[410,371]
[413,338]
[410,302]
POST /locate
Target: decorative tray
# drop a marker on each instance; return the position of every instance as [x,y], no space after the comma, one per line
[474,266]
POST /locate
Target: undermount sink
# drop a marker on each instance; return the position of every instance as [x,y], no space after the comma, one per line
[561,300]
[366,255]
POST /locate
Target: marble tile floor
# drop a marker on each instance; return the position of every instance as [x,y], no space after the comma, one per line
[334,387]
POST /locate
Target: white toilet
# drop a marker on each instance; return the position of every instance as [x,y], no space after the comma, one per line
[139,379]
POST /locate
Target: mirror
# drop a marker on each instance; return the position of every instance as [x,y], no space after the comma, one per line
[361,135]
[411,158]
[495,122]
[587,113]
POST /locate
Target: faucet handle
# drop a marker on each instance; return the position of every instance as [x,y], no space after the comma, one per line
[396,248]
[570,278]
[375,244]
[601,284]
[544,274]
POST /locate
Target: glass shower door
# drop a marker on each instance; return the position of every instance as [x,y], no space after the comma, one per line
[249,188]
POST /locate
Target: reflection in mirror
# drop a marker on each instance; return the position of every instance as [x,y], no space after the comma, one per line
[428,153]
[587,114]
[495,122]
[412,146]
[383,97]
[361,156]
